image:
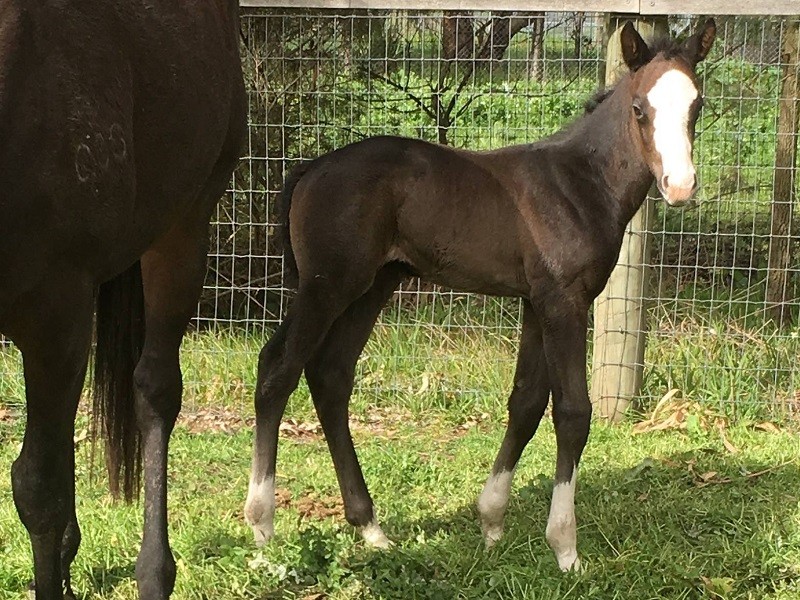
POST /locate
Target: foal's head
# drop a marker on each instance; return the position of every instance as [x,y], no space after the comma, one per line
[665,103]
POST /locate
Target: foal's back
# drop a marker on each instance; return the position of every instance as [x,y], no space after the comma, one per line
[100,150]
[474,221]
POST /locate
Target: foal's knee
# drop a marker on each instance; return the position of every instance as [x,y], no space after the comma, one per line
[577,414]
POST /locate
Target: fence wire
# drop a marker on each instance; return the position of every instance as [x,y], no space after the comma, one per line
[320,79]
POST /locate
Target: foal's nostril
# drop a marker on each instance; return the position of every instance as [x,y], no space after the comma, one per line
[665,182]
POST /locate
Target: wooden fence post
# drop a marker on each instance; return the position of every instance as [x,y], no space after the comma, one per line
[782,238]
[619,312]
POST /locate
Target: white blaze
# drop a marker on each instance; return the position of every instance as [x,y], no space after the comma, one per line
[561,530]
[671,98]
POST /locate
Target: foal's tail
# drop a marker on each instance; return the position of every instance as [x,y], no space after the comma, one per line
[120,338]
[285,204]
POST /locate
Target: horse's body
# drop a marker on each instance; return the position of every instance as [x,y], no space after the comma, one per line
[121,123]
[543,222]
[485,222]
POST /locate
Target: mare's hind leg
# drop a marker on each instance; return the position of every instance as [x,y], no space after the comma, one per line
[172,275]
[526,405]
[330,375]
[318,303]
[173,270]
[565,351]
[72,535]
[55,349]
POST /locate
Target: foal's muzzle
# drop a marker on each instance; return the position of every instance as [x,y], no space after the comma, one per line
[678,191]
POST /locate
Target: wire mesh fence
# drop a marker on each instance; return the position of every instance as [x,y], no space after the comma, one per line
[321,79]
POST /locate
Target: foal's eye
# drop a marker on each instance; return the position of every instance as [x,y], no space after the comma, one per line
[638,112]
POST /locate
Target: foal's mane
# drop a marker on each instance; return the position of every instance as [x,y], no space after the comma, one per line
[670,48]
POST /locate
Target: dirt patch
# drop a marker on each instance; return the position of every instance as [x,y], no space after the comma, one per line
[283,497]
[213,420]
[311,505]
[472,422]
[301,431]
[382,422]
[5,415]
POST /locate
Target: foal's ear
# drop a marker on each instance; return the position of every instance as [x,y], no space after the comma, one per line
[700,43]
[634,49]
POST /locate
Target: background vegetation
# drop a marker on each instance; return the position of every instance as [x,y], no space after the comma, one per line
[321,80]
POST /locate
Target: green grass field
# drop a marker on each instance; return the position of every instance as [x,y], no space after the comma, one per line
[661,515]
[710,510]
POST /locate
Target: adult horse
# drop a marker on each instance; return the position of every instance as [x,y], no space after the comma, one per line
[121,123]
[543,222]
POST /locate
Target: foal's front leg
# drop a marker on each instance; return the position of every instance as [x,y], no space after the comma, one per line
[525,409]
[565,352]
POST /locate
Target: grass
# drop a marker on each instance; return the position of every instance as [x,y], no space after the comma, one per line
[442,358]
[663,514]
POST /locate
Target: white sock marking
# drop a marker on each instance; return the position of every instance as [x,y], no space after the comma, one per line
[671,97]
[374,536]
[561,530]
[259,510]
[492,505]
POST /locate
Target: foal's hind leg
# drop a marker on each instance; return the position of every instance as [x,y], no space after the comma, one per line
[565,351]
[330,375]
[55,349]
[318,303]
[525,409]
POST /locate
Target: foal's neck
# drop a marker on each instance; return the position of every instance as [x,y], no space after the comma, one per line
[609,147]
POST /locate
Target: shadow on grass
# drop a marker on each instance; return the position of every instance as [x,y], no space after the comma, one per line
[685,526]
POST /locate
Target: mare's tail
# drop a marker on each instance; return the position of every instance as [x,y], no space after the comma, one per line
[120,338]
[285,204]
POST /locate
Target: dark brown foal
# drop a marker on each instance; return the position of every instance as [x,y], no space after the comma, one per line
[543,222]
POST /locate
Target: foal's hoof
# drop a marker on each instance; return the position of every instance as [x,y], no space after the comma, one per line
[492,533]
[374,536]
[261,522]
[492,505]
[262,532]
[259,511]
[569,562]
[491,522]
